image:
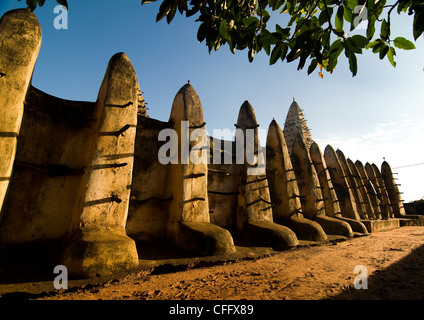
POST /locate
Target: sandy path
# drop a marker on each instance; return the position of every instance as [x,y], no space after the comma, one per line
[394,261]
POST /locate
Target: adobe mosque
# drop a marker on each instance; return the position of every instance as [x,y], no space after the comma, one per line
[84,182]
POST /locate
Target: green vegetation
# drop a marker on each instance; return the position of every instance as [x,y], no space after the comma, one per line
[316,34]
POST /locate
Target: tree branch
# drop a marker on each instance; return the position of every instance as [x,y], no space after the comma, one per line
[303,22]
[388,18]
[328,15]
[390,12]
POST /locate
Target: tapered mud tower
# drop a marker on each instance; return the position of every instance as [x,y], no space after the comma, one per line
[254,212]
[344,193]
[310,191]
[20,39]
[360,187]
[296,124]
[284,191]
[351,184]
[383,190]
[188,223]
[371,193]
[392,190]
[97,242]
[385,209]
[331,203]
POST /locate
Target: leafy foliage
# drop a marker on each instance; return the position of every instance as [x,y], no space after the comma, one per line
[32,4]
[317,31]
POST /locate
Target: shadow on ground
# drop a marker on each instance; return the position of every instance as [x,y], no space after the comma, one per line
[29,262]
[402,280]
[26,272]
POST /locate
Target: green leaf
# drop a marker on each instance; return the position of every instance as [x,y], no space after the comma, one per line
[353,64]
[373,43]
[318,54]
[294,54]
[291,6]
[272,3]
[284,51]
[390,55]
[352,3]
[171,12]
[402,6]
[339,18]
[279,29]
[370,6]
[352,46]
[265,15]
[223,31]
[339,32]
[248,21]
[278,4]
[378,47]
[285,32]
[347,14]
[385,30]
[267,40]
[217,45]
[312,66]
[147,1]
[63,3]
[276,53]
[164,9]
[417,34]
[302,61]
[212,41]
[418,24]
[371,28]
[32,4]
[251,54]
[182,6]
[322,18]
[336,46]
[360,41]
[267,48]
[325,38]
[335,49]
[402,43]
[383,51]
[202,32]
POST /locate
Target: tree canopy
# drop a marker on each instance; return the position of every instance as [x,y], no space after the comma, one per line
[316,32]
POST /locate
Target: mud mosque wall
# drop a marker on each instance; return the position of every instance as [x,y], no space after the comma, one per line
[89,178]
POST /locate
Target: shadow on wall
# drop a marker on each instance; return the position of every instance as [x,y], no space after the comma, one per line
[403,280]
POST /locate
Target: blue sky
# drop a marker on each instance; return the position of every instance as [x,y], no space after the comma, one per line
[379,113]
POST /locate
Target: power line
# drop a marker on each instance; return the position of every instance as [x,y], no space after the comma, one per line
[410,165]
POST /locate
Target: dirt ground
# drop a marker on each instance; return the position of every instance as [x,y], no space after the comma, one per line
[393,259]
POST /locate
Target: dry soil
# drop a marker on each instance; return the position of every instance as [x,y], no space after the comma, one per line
[393,259]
